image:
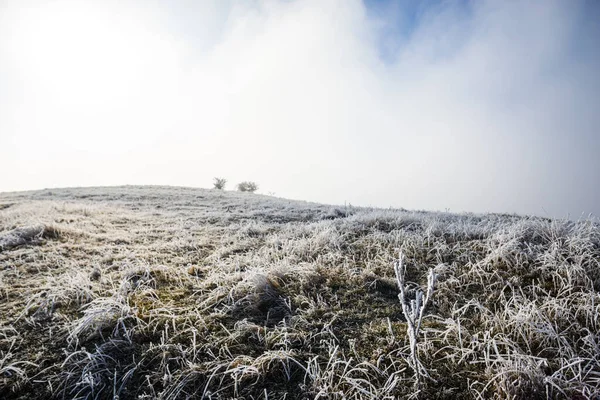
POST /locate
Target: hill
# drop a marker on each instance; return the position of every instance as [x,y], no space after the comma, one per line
[176,293]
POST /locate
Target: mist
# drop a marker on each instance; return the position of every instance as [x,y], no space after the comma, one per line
[487,106]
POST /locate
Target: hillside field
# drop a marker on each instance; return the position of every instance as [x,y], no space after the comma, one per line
[170,293]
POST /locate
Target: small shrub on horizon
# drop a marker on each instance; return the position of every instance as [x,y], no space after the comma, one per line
[219,183]
[247,186]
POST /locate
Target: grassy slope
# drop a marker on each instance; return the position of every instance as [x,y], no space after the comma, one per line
[153,292]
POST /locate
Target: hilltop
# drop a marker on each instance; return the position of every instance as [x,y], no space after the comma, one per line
[144,292]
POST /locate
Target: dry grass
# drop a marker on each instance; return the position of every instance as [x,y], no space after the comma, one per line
[175,293]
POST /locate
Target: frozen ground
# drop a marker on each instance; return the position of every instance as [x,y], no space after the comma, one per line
[176,293]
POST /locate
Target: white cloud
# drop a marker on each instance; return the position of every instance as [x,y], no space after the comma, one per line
[487,108]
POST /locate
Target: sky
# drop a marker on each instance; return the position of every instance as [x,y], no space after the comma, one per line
[476,106]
